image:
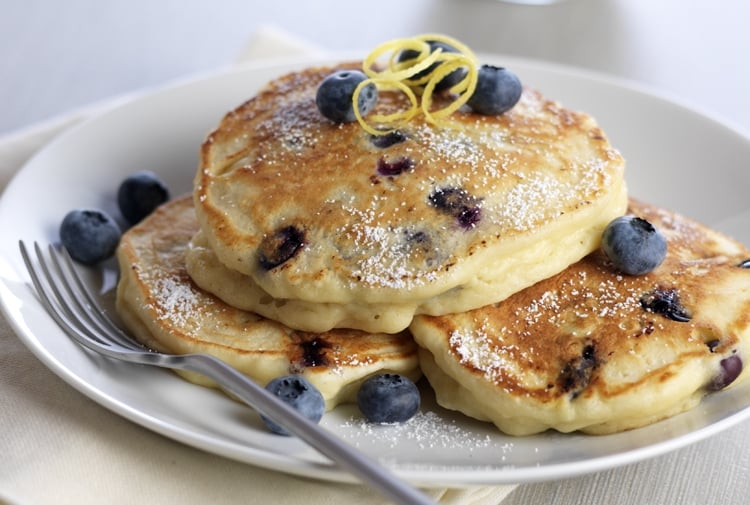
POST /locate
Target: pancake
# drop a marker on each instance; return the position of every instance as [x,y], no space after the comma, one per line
[166,311]
[241,291]
[434,219]
[594,350]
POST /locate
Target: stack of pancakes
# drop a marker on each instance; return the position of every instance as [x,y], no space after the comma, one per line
[467,251]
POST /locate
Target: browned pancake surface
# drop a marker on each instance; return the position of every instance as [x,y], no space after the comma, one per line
[601,351]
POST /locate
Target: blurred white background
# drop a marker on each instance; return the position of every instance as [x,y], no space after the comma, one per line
[57,55]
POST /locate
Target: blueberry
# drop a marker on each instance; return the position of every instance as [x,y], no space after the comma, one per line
[388,398]
[396,167]
[280,246]
[576,374]
[300,394]
[314,352]
[633,245]
[417,237]
[469,217]
[667,303]
[388,140]
[334,96]
[498,90]
[89,235]
[459,203]
[446,82]
[451,200]
[729,369]
[139,194]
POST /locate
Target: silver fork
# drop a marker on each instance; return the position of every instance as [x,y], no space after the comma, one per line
[67,299]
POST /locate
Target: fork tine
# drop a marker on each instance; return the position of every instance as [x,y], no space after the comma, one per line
[65,303]
[50,297]
[60,285]
[85,305]
[52,293]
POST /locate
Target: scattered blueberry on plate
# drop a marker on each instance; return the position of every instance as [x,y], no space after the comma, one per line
[139,194]
[89,235]
[300,394]
[633,245]
[388,398]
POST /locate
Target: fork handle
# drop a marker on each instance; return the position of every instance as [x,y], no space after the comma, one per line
[369,471]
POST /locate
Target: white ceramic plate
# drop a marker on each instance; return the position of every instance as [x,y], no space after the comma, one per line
[676,157]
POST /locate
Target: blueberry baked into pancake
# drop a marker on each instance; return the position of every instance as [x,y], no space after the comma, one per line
[598,350]
[323,223]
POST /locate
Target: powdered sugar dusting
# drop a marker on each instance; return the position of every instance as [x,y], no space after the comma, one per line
[453,146]
[478,350]
[291,126]
[540,196]
[386,260]
[580,306]
[342,362]
[174,300]
[426,430]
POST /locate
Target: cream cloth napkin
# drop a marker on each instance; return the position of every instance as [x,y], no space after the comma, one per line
[58,447]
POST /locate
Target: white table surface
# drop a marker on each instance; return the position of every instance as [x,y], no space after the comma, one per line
[59,55]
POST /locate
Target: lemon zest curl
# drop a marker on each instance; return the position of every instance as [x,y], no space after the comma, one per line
[404,76]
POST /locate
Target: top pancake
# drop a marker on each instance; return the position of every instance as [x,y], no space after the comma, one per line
[450,217]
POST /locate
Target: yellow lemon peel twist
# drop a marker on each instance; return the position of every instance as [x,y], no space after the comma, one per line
[400,75]
[397,118]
